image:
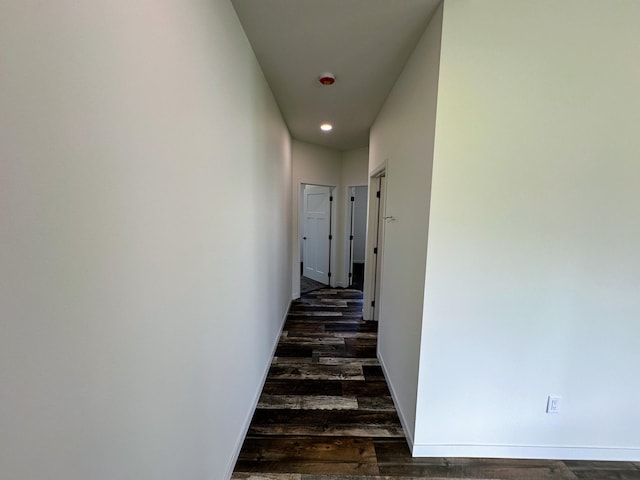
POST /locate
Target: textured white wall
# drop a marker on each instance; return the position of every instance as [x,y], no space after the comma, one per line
[403,135]
[533,270]
[144,238]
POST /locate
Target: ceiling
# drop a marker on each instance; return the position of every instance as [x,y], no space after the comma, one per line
[364,43]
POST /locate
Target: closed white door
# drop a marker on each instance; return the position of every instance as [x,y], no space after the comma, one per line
[315,233]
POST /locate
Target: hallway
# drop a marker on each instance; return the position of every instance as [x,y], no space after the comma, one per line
[325,407]
[326,412]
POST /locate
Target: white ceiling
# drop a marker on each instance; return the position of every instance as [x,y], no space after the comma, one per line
[364,43]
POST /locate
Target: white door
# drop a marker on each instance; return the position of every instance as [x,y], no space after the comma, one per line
[315,233]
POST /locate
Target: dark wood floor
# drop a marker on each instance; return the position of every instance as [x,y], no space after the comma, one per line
[326,412]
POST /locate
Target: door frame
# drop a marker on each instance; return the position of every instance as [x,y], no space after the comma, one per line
[348,261]
[315,245]
[298,234]
[375,220]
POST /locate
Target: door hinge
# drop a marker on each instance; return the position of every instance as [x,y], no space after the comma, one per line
[375,251]
[351,237]
[353,199]
[378,194]
[329,274]
[350,275]
[331,199]
[330,237]
[373,304]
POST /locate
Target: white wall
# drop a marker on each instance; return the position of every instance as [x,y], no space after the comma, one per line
[403,135]
[316,165]
[533,268]
[144,198]
[355,165]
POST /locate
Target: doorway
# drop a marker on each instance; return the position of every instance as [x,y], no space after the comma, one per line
[316,219]
[356,235]
[375,244]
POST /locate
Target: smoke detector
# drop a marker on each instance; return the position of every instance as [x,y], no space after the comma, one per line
[327,79]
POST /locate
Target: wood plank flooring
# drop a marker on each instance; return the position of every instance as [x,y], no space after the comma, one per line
[326,412]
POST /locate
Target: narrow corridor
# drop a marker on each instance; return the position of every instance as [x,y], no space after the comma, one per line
[325,407]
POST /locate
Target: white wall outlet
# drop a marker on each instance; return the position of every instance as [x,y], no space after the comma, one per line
[553,404]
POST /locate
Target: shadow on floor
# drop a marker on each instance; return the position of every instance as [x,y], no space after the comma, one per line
[308,285]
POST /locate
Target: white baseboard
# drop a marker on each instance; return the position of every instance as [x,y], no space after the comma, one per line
[403,421]
[528,452]
[256,399]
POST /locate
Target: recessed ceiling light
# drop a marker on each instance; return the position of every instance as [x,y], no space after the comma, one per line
[325,127]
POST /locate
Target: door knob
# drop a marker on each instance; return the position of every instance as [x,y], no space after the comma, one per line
[304,238]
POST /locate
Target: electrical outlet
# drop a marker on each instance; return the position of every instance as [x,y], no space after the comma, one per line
[553,404]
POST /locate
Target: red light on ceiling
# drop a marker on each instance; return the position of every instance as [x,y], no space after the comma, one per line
[327,79]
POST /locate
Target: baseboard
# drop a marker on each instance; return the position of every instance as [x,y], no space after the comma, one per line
[256,399]
[403,421]
[529,452]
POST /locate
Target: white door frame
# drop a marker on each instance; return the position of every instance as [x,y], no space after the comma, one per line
[374,216]
[298,233]
[347,224]
[316,233]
